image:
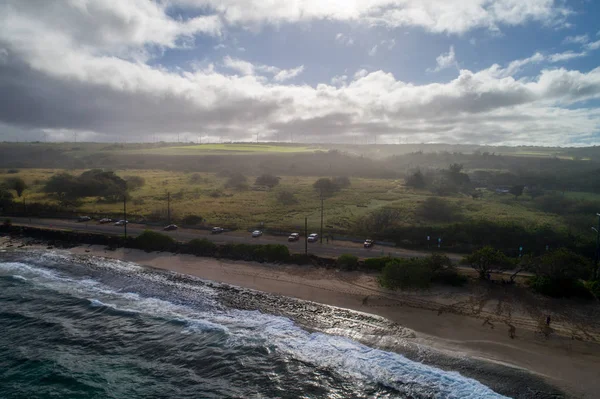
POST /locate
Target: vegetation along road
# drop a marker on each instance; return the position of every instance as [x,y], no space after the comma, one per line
[328,250]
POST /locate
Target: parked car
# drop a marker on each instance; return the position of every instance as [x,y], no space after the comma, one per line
[314,237]
[294,237]
[217,230]
[257,233]
[105,220]
[170,227]
[368,243]
[121,223]
[84,219]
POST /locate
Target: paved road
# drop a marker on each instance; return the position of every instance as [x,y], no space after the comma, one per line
[327,250]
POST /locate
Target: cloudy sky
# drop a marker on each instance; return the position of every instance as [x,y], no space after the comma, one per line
[455,71]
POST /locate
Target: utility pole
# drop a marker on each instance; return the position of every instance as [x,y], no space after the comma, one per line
[168,208]
[597,257]
[125,215]
[321,236]
[306,236]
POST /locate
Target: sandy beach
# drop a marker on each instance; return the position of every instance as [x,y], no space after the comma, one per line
[491,322]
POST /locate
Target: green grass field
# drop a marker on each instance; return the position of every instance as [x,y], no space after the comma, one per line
[237,149]
[204,194]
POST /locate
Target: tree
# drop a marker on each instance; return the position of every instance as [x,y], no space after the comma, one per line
[17,184]
[405,273]
[456,176]
[347,262]
[267,180]
[134,182]
[486,260]
[325,186]
[380,219]
[341,182]
[517,190]
[286,197]
[562,263]
[237,181]
[416,180]
[438,209]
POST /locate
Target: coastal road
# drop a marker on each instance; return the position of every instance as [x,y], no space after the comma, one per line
[333,250]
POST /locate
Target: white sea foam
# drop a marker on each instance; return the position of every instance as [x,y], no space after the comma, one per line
[346,357]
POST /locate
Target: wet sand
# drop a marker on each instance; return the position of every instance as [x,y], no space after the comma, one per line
[492,322]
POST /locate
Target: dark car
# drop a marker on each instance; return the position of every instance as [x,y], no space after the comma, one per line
[105,220]
[170,227]
[84,219]
[368,243]
[217,230]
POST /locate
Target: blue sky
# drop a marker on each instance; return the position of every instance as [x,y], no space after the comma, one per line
[455,71]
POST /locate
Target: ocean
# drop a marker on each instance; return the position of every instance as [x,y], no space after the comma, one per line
[87,327]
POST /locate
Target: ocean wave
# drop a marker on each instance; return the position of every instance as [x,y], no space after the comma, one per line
[346,357]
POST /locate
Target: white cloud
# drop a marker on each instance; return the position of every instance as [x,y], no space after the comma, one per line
[593,46]
[339,80]
[373,50]
[580,39]
[440,16]
[445,60]
[219,46]
[568,55]
[344,39]
[247,68]
[84,84]
[288,74]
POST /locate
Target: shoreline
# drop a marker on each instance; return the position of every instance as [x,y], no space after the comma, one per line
[464,322]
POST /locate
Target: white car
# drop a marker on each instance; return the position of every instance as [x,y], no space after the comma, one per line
[294,237]
[256,233]
[105,220]
[314,237]
[121,223]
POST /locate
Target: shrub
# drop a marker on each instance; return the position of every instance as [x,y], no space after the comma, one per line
[17,184]
[7,223]
[416,180]
[153,241]
[593,287]
[438,210]
[134,182]
[237,181]
[202,247]
[405,273]
[267,180]
[348,262]
[286,197]
[486,260]
[12,171]
[450,277]
[196,178]
[376,264]
[341,181]
[192,220]
[559,287]
[325,186]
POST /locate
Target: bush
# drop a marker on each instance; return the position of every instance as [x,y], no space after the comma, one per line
[559,287]
[325,187]
[152,241]
[267,180]
[348,262]
[202,247]
[341,181]
[134,182]
[7,223]
[438,210]
[196,178]
[192,220]
[593,287]
[416,180]
[258,253]
[12,171]
[376,264]
[450,277]
[17,184]
[237,181]
[405,273]
[286,197]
